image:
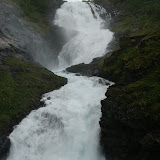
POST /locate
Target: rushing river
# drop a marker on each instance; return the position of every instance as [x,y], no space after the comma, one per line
[68,127]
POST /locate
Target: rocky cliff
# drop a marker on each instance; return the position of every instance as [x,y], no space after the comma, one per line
[23,80]
[130,119]
[130,114]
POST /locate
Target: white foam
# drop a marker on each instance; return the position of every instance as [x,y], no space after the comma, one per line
[67,128]
[90,40]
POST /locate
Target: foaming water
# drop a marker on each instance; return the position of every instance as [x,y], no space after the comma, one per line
[67,128]
[90,40]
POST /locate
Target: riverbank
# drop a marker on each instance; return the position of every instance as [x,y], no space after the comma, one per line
[23,80]
[130,114]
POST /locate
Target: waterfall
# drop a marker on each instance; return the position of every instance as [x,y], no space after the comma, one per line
[67,128]
[90,40]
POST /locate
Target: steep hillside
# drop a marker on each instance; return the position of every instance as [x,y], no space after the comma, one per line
[131,113]
[130,120]
[136,17]
[36,11]
[23,81]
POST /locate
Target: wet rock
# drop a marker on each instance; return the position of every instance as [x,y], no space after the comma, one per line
[129,124]
[85,69]
[19,46]
[127,134]
[26,41]
[4,45]
[82,69]
[4,146]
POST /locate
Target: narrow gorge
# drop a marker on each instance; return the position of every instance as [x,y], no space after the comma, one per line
[68,126]
[79,80]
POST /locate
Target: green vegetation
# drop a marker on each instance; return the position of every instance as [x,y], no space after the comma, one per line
[35,10]
[145,93]
[131,113]
[137,69]
[21,87]
[137,17]
[151,8]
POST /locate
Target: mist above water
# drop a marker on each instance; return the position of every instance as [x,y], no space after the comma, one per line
[90,39]
[67,128]
[74,0]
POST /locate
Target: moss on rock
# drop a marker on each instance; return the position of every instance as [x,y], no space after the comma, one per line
[129,64]
[137,17]
[134,102]
[36,11]
[21,87]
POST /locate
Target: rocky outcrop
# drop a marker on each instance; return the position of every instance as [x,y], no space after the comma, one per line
[130,113]
[85,69]
[9,47]
[23,35]
[16,31]
[23,80]
[127,133]
[130,121]
[21,86]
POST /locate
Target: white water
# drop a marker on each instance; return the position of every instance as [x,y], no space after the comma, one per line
[68,127]
[91,39]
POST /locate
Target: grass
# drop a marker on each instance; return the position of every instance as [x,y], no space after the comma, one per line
[21,86]
[138,69]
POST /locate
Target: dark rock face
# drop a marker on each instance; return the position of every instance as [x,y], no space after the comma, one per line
[22,85]
[9,48]
[15,31]
[85,69]
[4,146]
[22,35]
[21,47]
[127,133]
[130,129]
[130,122]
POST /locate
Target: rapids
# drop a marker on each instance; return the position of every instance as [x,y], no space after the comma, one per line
[90,38]
[67,128]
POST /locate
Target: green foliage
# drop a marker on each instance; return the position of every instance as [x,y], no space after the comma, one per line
[134,60]
[151,8]
[30,6]
[145,94]
[134,6]
[35,10]
[137,16]
[138,69]
[21,86]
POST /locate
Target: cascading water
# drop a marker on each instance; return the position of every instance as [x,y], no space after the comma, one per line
[68,127]
[90,40]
